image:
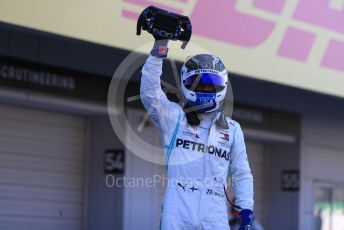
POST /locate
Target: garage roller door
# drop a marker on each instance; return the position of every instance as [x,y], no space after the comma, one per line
[41,169]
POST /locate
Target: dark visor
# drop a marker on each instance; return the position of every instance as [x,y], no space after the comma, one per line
[205,79]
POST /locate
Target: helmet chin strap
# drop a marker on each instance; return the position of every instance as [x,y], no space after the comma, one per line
[191,116]
[193,119]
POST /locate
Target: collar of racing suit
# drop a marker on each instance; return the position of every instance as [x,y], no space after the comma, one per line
[205,120]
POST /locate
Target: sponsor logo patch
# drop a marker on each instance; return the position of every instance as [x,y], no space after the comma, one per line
[214,193]
[163,50]
[224,136]
[190,134]
[199,147]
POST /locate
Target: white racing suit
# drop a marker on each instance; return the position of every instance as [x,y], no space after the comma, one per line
[198,160]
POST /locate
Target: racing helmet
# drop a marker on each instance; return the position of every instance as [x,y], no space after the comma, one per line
[204,80]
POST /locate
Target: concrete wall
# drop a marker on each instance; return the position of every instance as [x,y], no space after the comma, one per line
[322,158]
[105,205]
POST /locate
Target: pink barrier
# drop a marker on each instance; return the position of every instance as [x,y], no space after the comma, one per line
[221,21]
[334,56]
[318,12]
[296,44]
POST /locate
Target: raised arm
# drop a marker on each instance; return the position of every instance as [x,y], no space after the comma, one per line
[163,112]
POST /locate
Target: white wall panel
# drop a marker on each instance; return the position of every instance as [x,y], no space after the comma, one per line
[324,164]
[142,204]
[324,131]
[258,162]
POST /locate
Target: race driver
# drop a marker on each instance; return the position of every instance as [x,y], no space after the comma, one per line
[201,146]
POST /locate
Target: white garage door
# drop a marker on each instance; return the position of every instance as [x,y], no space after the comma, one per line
[41,169]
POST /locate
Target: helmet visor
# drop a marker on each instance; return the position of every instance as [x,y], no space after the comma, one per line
[205,82]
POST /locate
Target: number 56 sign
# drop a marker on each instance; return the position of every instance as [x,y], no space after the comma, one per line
[290,180]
